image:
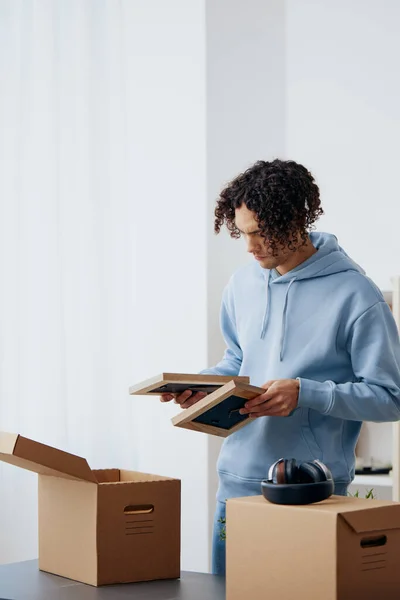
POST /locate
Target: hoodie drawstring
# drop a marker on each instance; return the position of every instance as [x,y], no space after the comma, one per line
[283,329]
[266,312]
[266,316]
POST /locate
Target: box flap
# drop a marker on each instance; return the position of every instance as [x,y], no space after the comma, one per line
[374,519]
[34,456]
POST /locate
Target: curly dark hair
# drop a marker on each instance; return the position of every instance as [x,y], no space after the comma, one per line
[282,194]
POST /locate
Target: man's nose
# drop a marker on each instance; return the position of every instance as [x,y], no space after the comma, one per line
[252,245]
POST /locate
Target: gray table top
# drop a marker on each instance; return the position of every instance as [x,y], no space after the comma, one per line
[24,581]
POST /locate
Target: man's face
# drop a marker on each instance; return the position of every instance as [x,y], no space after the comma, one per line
[246,222]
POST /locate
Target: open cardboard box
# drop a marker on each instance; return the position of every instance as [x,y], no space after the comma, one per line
[343,548]
[100,526]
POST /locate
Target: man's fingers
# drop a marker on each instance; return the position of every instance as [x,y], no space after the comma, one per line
[267,407]
[193,399]
[252,409]
[181,398]
[185,399]
[271,413]
[166,397]
[256,401]
[273,404]
[268,384]
[277,409]
[262,398]
[259,402]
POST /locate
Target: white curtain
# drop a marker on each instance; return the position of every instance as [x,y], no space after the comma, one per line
[67,251]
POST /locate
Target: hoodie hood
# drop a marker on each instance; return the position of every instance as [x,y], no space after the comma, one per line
[329,259]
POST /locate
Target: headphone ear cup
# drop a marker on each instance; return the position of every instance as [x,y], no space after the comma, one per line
[310,472]
[279,474]
[291,471]
[282,471]
[272,471]
[325,470]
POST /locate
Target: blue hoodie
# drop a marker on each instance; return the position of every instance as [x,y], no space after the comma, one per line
[326,324]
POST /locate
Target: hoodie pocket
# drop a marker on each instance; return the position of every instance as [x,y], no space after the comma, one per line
[308,435]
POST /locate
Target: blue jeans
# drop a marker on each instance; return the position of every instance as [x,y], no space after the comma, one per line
[218,543]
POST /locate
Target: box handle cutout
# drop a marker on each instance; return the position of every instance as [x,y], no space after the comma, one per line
[140,509]
[373,542]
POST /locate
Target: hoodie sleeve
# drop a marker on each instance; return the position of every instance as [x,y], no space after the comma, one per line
[232,359]
[374,349]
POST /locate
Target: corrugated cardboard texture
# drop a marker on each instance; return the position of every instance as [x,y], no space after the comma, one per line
[324,551]
[136,476]
[67,528]
[138,532]
[106,475]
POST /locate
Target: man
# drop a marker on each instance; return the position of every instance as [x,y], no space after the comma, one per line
[303,321]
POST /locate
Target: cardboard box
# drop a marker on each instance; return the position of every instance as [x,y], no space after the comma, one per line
[343,548]
[100,526]
[218,413]
[176,383]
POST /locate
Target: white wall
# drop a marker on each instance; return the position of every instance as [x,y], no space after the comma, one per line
[245,122]
[65,255]
[166,95]
[343,122]
[104,247]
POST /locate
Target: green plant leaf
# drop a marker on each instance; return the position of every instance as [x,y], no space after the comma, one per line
[222,531]
[369,495]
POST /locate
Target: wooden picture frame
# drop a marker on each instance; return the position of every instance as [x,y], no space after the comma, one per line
[175,383]
[218,413]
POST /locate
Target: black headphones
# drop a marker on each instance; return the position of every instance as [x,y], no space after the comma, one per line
[292,483]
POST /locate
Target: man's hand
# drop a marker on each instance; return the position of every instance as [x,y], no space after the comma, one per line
[185,399]
[280,399]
